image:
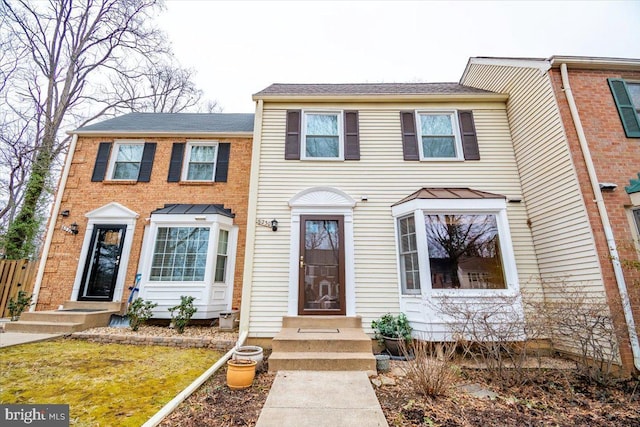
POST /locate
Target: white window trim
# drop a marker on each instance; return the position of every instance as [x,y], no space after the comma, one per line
[495,207]
[187,157]
[456,133]
[114,154]
[303,135]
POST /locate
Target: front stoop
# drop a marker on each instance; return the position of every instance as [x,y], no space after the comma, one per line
[321,343]
[71,318]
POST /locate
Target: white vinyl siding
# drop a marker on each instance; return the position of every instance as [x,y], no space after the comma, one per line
[385,178]
[560,226]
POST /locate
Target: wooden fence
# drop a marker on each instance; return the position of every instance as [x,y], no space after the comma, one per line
[15,275]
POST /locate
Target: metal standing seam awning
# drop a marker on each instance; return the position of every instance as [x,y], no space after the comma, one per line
[194,209]
[449,193]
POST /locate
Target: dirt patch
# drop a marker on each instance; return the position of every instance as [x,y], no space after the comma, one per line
[216,405]
[550,397]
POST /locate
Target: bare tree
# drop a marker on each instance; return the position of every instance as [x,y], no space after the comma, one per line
[75,48]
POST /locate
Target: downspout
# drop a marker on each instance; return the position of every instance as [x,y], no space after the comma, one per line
[53,221]
[247,279]
[604,217]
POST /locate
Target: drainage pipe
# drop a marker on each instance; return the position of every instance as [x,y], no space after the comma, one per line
[173,404]
[604,217]
[53,220]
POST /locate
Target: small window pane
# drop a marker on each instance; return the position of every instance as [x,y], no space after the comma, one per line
[200,172]
[439,146]
[464,252]
[126,170]
[409,266]
[322,124]
[436,124]
[130,152]
[323,147]
[221,260]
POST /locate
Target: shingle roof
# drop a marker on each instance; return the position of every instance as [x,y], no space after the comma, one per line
[174,122]
[194,209]
[283,89]
[450,193]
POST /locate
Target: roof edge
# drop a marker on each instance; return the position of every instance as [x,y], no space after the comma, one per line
[594,62]
[156,134]
[495,97]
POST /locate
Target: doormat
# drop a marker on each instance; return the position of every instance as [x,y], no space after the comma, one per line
[318,331]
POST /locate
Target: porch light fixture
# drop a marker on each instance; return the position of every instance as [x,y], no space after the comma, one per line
[71,229]
[274,224]
[65,213]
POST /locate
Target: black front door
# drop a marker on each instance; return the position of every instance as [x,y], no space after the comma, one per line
[101,265]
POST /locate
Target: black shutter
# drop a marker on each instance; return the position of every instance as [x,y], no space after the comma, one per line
[468,133]
[175,164]
[351,136]
[409,136]
[102,160]
[292,138]
[626,109]
[222,163]
[147,162]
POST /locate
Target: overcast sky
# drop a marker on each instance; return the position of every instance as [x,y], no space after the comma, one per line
[240,47]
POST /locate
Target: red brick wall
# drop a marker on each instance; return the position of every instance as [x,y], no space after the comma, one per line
[617,160]
[82,196]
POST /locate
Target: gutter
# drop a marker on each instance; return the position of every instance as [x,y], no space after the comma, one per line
[52,222]
[182,396]
[604,217]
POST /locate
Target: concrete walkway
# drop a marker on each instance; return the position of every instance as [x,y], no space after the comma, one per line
[321,398]
[7,339]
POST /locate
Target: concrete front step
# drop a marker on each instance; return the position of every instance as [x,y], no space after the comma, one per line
[322,361]
[321,322]
[43,327]
[72,318]
[334,340]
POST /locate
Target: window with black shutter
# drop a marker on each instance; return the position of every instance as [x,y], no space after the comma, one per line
[627,98]
[322,135]
[438,135]
[204,161]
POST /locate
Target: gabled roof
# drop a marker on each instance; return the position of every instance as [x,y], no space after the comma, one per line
[172,123]
[450,193]
[372,91]
[194,209]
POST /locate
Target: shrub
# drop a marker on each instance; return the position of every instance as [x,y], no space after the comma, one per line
[19,304]
[429,367]
[139,311]
[391,326]
[185,311]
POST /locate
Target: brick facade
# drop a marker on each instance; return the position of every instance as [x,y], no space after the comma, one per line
[617,160]
[82,196]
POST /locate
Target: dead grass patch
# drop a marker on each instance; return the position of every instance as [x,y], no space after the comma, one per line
[103,384]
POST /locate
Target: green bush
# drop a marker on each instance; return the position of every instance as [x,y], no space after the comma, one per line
[184,310]
[391,326]
[18,305]
[139,311]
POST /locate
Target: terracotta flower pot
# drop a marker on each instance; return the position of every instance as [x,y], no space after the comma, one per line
[240,373]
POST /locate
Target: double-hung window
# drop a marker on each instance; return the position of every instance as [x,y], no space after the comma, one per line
[200,162]
[322,137]
[125,160]
[221,259]
[439,136]
[409,266]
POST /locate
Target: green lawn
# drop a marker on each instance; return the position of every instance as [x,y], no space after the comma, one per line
[103,384]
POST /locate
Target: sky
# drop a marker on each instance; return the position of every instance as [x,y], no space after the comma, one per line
[240,47]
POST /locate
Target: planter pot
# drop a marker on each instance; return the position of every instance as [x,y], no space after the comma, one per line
[382,362]
[250,352]
[240,373]
[394,345]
